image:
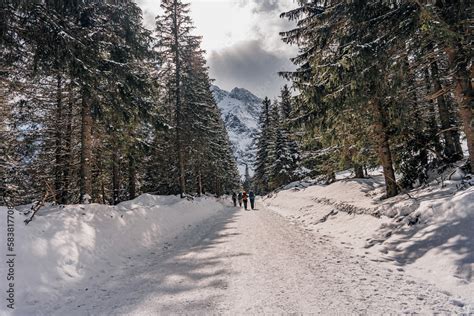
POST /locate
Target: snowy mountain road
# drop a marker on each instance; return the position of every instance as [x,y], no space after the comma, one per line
[252,263]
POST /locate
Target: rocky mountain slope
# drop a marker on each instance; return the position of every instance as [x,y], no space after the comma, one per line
[240,111]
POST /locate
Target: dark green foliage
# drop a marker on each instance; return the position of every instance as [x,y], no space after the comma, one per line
[263,149]
[278,155]
[370,86]
[200,148]
[85,110]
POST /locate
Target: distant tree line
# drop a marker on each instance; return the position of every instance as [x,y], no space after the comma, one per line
[95,107]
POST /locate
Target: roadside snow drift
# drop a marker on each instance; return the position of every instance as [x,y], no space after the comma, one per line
[429,234]
[63,248]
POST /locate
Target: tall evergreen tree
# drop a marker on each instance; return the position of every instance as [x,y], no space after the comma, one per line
[85,76]
[283,152]
[115,74]
[263,144]
[285,103]
[173,39]
[352,59]
[202,149]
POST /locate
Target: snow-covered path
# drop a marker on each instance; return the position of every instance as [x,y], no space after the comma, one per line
[253,262]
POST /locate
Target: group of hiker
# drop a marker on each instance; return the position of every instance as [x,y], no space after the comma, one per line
[243,198]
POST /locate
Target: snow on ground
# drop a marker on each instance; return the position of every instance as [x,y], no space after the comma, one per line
[72,248]
[429,235]
[163,255]
[235,263]
[309,248]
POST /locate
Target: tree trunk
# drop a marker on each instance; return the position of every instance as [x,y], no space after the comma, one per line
[433,126]
[115,175]
[132,174]
[100,178]
[86,147]
[182,179]
[217,187]
[102,190]
[424,128]
[463,94]
[359,171]
[382,140]
[450,136]
[199,182]
[182,174]
[67,149]
[59,164]
[6,139]
[456,126]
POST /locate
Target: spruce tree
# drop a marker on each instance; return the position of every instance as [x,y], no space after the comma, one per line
[263,144]
[65,79]
[173,32]
[342,59]
[88,105]
[385,57]
[283,152]
[285,103]
[203,156]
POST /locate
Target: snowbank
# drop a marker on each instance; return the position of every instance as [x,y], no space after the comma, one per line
[429,235]
[65,247]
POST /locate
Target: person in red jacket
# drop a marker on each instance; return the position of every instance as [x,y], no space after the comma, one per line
[245,199]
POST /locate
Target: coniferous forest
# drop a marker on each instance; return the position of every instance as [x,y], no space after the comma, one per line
[97,108]
[139,175]
[378,83]
[95,105]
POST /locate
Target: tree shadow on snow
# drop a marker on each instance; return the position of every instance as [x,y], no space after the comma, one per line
[188,278]
[455,235]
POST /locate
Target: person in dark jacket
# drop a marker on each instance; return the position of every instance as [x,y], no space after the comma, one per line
[252,200]
[240,199]
[245,199]
[234,198]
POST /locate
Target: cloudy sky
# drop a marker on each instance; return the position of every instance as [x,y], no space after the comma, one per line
[241,39]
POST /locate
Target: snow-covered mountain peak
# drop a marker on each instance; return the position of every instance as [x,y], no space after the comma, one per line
[240,111]
[218,93]
[244,95]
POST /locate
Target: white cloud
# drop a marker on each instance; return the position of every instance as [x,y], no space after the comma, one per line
[248,65]
[226,25]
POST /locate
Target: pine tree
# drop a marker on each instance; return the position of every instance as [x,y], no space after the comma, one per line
[8,157]
[72,85]
[453,18]
[283,152]
[282,167]
[452,150]
[344,52]
[204,159]
[286,106]
[173,37]
[388,66]
[89,104]
[263,144]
